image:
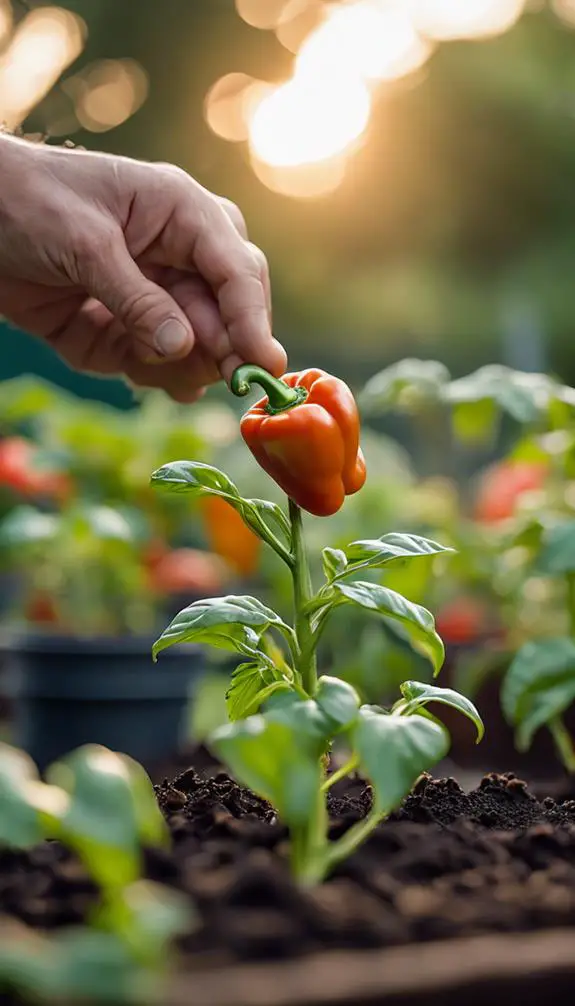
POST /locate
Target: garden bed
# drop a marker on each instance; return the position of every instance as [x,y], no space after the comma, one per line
[476,868]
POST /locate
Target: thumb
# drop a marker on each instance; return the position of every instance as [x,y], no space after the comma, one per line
[159,328]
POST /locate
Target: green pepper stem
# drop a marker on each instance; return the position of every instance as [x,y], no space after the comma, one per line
[302,594]
[280,396]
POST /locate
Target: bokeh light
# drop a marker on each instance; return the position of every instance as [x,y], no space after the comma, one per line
[297,20]
[305,122]
[230,103]
[565,10]
[451,19]
[369,39]
[44,44]
[302,181]
[344,49]
[260,13]
[5,20]
[108,92]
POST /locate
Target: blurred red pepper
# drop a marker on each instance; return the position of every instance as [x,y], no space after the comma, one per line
[18,471]
[463,620]
[188,570]
[305,434]
[502,486]
[229,537]
[41,609]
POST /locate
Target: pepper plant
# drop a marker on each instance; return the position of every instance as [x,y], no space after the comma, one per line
[284,717]
[519,543]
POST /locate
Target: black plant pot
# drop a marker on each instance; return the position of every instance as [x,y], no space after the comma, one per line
[70,691]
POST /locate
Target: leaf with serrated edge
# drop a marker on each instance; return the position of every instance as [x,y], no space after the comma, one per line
[393,751]
[418,694]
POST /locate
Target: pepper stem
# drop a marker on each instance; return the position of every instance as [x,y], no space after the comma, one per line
[302,595]
[280,396]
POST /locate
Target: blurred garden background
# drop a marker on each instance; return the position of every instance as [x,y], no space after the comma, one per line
[408,166]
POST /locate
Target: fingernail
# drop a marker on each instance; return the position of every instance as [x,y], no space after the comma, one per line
[171,337]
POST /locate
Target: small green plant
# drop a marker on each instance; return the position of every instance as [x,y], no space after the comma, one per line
[101,805]
[284,717]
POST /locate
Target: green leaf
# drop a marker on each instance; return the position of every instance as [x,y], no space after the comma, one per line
[557,555]
[146,917]
[539,685]
[200,479]
[27,526]
[408,386]
[107,523]
[252,684]
[338,701]
[304,717]
[418,694]
[526,397]
[418,622]
[377,552]
[111,812]
[475,422]
[20,822]
[269,757]
[233,622]
[393,751]
[334,562]
[194,477]
[93,966]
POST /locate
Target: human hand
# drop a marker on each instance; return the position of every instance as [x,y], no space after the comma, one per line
[131,268]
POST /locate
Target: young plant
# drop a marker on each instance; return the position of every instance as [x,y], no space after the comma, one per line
[539,686]
[284,716]
[101,805]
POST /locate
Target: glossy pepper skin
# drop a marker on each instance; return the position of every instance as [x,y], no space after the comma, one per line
[311,446]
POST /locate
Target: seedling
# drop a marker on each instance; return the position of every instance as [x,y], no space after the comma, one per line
[285,716]
[102,805]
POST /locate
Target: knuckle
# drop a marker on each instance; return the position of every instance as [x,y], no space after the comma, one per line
[137,307]
[259,257]
[235,215]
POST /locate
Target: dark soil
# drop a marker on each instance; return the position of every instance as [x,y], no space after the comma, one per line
[449,864]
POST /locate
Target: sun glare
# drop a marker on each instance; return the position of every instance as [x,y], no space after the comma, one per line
[306,121]
[301,132]
[369,39]
[450,19]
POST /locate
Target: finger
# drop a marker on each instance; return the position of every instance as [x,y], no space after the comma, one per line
[196,299]
[235,215]
[209,243]
[265,276]
[159,328]
[182,380]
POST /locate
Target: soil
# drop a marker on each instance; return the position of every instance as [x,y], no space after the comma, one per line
[448,865]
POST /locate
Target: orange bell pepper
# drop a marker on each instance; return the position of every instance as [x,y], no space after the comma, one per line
[305,434]
[229,537]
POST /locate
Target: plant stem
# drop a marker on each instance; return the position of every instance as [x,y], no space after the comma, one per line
[302,593]
[340,773]
[563,743]
[570,578]
[352,839]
